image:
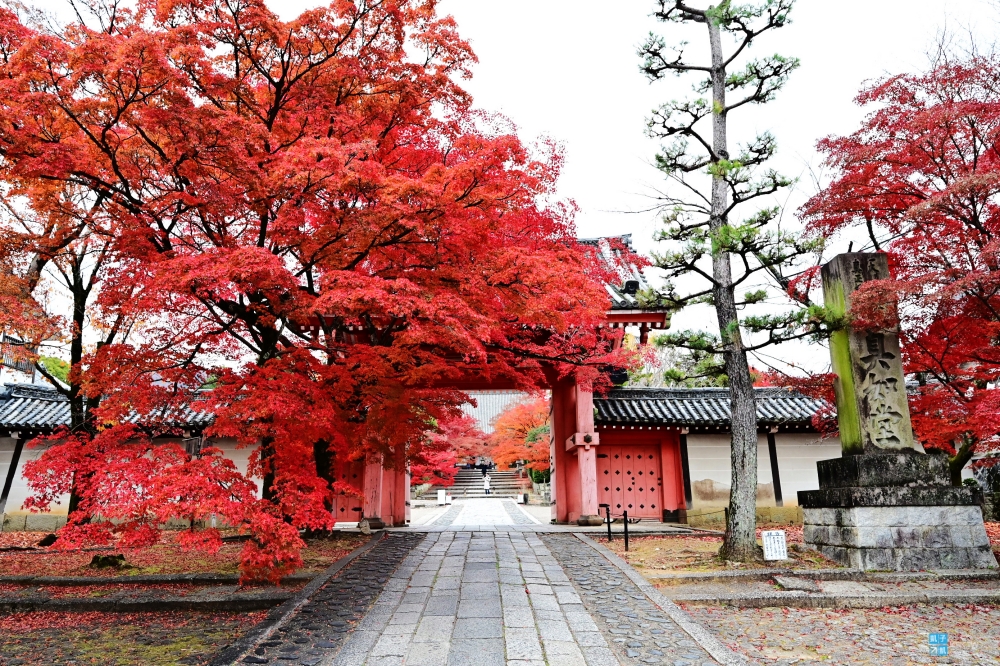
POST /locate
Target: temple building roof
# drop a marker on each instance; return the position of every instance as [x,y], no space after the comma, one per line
[33,407]
[694,407]
[41,408]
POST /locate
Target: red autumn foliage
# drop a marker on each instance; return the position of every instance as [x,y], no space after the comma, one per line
[457,440]
[924,172]
[308,215]
[521,433]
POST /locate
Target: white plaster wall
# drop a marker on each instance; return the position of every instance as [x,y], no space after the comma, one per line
[797,457]
[709,460]
[19,490]
[241,457]
[709,463]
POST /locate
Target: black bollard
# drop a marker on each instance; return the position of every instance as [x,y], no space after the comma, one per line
[608,509]
[625,519]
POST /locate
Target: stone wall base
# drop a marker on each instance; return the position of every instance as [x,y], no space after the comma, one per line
[900,538]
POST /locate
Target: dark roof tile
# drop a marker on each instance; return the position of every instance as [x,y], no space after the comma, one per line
[700,407]
[33,407]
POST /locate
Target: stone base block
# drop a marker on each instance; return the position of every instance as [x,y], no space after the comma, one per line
[590,521]
[900,538]
[887,497]
[884,469]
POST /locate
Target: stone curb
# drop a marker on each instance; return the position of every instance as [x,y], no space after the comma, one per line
[823,574]
[794,599]
[698,633]
[150,579]
[231,602]
[280,615]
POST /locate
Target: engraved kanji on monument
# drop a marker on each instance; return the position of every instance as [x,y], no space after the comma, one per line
[870,389]
[884,504]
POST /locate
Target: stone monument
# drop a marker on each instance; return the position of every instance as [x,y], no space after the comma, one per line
[883,505]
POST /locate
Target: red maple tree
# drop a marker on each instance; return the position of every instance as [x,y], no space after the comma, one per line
[922,178]
[521,432]
[308,216]
[457,440]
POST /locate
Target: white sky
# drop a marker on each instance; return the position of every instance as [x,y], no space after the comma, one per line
[568,69]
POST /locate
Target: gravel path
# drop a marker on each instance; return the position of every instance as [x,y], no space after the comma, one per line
[318,629]
[639,632]
[516,515]
[882,637]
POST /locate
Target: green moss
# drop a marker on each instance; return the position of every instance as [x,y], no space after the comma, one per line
[133,645]
[848,417]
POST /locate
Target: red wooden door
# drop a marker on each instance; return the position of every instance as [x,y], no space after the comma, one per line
[347,505]
[629,478]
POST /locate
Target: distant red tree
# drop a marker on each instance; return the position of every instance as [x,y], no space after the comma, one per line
[521,432]
[922,178]
[456,440]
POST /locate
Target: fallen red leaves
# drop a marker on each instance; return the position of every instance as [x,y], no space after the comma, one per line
[165,558]
[35,621]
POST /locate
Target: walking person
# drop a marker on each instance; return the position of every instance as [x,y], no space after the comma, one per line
[486,483]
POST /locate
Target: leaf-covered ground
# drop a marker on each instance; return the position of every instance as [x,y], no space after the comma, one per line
[118,639]
[691,554]
[165,558]
[871,637]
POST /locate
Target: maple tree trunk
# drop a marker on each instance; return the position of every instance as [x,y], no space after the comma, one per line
[740,542]
[957,462]
[77,399]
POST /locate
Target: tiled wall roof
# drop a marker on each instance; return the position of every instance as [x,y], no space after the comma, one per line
[34,407]
[700,407]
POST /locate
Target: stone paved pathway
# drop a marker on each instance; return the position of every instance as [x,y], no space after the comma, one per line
[318,628]
[480,588]
[478,599]
[499,598]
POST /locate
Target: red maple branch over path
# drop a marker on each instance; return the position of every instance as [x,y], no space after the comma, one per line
[310,218]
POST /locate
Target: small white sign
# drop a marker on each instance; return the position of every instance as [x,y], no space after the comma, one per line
[775,547]
[441,497]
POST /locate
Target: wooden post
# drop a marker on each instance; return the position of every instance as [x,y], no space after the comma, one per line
[12,471]
[772,451]
[372,509]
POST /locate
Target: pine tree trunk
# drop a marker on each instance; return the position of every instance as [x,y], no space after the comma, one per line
[740,542]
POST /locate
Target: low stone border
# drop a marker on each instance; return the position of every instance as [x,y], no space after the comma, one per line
[280,615]
[699,634]
[795,599]
[756,575]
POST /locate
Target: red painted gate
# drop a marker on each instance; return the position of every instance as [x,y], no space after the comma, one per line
[629,478]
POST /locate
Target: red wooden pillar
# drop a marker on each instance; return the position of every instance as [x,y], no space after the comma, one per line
[585,441]
[574,440]
[372,508]
[395,492]
[564,471]
[672,474]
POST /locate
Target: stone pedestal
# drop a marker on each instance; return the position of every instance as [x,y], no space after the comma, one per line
[894,512]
